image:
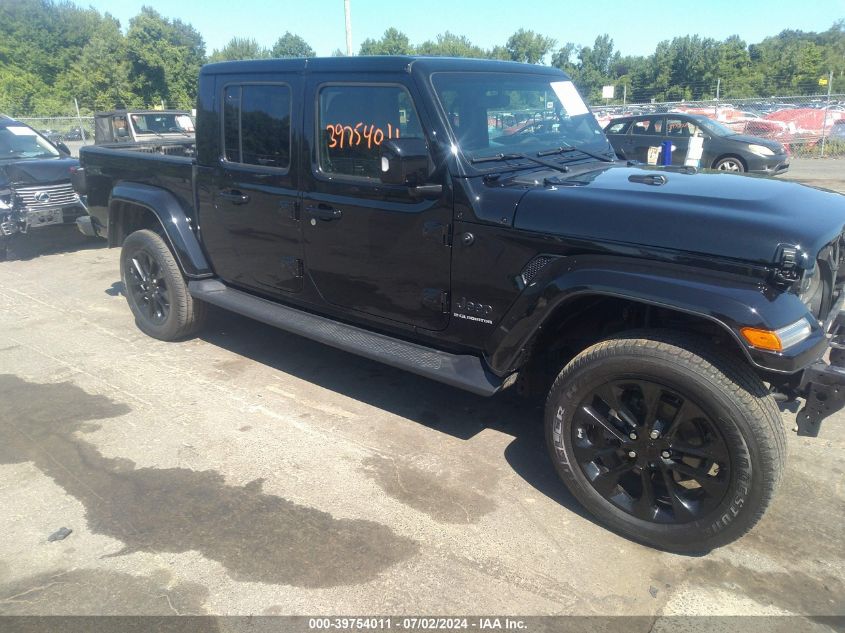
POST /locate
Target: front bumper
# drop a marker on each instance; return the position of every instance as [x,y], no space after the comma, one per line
[823,384]
[771,166]
[23,220]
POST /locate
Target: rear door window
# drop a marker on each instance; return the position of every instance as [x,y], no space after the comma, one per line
[256,125]
[651,126]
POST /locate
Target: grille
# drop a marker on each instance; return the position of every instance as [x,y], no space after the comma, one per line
[60,195]
[535,266]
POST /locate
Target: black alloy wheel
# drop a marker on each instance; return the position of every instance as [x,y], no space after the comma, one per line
[156,290]
[147,286]
[651,451]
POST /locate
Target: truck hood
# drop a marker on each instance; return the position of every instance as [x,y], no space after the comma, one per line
[717,214]
[35,171]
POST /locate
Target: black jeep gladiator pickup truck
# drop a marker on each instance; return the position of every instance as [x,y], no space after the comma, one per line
[468,221]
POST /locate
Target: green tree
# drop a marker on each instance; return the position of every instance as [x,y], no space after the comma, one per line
[239,48]
[450,45]
[393,42]
[99,78]
[39,42]
[734,68]
[290,45]
[808,68]
[498,52]
[165,58]
[528,46]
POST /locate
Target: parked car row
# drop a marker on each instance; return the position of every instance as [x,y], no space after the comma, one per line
[74,134]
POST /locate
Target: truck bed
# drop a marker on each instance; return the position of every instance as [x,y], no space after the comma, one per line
[109,165]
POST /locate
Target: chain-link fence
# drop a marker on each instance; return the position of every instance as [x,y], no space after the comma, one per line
[72,130]
[809,126]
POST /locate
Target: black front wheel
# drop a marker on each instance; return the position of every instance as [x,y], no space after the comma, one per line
[666,441]
[156,290]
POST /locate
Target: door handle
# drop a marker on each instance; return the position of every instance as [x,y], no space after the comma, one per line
[234,196]
[323,212]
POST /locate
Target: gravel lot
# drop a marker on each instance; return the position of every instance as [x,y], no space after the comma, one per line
[249,471]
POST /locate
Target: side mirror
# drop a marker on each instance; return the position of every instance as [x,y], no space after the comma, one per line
[64,149]
[121,132]
[404,161]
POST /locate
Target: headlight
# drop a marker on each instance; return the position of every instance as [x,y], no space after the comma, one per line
[812,291]
[5,199]
[760,150]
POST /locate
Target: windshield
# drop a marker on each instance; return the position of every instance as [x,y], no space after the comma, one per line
[714,127]
[495,113]
[162,123]
[19,141]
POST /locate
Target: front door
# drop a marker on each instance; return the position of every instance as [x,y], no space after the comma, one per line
[254,229]
[378,249]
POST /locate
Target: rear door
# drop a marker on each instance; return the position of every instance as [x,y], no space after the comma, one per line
[254,229]
[370,247]
[645,134]
[679,131]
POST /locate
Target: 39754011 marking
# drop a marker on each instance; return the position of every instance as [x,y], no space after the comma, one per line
[350,624]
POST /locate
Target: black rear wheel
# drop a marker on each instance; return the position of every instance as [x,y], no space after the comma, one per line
[666,441]
[155,289]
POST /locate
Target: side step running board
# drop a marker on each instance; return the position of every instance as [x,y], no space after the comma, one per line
[462,371]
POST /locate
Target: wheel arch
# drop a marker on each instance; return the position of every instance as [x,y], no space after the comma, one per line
[725,155]
[134,206]
[590,298]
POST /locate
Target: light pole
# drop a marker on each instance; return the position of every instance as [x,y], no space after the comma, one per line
[348,13]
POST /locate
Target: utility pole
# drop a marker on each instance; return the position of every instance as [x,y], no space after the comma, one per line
[718,92]
[348,13]
[624,95]
[826,110]
[79,118]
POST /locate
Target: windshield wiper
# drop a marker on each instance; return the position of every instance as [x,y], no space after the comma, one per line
[496,158]
[502,157]
[565,149]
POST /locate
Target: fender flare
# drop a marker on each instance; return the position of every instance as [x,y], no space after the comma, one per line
[173,219]
[728,300]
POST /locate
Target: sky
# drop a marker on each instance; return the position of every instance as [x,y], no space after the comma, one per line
[635,27]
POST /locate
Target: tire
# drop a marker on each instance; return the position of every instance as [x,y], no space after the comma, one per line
[731,164]
[156,290]
[711,472]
